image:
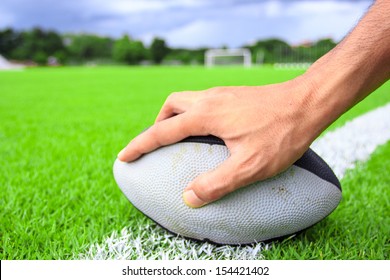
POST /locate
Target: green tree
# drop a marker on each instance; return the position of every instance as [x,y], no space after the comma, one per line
[86,47]
[274,50]
[9,41]
[139,51]
[40,57]
[187,56]
[38,45]
[158,50]
[321,47]
[128,51]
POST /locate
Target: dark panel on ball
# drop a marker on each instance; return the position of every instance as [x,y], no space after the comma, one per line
[310,161]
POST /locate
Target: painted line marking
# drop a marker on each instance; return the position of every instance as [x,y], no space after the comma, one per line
[341,149]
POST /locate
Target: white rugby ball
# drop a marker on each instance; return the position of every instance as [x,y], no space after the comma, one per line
[286,204]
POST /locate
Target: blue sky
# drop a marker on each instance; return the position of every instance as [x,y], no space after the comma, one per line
[190,23]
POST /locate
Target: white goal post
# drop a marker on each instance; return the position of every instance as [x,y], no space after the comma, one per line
[213,54]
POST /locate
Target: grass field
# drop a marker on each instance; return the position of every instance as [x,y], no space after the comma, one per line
[359,228]
[60,131]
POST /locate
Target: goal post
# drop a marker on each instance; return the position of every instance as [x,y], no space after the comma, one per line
[214,57]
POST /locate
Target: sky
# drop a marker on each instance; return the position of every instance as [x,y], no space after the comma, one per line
[190,23]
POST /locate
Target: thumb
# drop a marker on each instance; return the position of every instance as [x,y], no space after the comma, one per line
[215,184]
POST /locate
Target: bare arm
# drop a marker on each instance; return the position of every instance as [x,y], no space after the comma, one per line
[355,68]
[267,128]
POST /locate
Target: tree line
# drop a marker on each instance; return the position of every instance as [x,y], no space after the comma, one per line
[38,46]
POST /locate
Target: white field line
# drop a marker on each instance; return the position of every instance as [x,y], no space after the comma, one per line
[355,141]
[341,149]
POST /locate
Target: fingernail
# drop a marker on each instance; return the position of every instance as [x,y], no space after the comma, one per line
[121,155]
[192,200]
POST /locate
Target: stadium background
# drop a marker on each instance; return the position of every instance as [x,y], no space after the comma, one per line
[81,95]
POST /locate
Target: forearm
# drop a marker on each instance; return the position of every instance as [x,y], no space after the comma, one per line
[267,128]
[351,71]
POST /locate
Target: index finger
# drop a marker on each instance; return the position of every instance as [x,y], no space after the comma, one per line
[163,133]
[178,103]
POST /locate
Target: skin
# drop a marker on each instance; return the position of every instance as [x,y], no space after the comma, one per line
[267,128]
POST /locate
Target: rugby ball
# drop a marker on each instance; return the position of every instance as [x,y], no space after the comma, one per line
[281,206]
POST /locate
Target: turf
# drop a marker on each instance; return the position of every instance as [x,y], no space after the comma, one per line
[60,131]
[360,226]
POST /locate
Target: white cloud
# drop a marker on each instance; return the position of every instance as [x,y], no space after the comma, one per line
[6,18]
[325,19]
[273,8]
[198,33]
[190,23]
[294,21]
[139,6]
[328,7]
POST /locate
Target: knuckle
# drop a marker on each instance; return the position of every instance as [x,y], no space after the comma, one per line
[209,190]
[171,98]
[248,164]
[194,123]
[154,133]
[153,130]
[184,125]
[204,106]
[211,194]
[250,169]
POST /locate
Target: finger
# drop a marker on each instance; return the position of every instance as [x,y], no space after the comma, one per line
[160,134]
[215,184]
[177,103]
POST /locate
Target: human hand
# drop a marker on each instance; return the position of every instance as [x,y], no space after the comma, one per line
[266,129]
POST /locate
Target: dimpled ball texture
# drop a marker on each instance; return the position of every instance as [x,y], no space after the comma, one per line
[280,206]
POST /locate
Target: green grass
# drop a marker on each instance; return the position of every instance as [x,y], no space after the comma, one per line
[360,226]
[60,131]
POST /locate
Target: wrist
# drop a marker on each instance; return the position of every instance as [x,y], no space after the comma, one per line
[323,95]
[334,85]
[351,71]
